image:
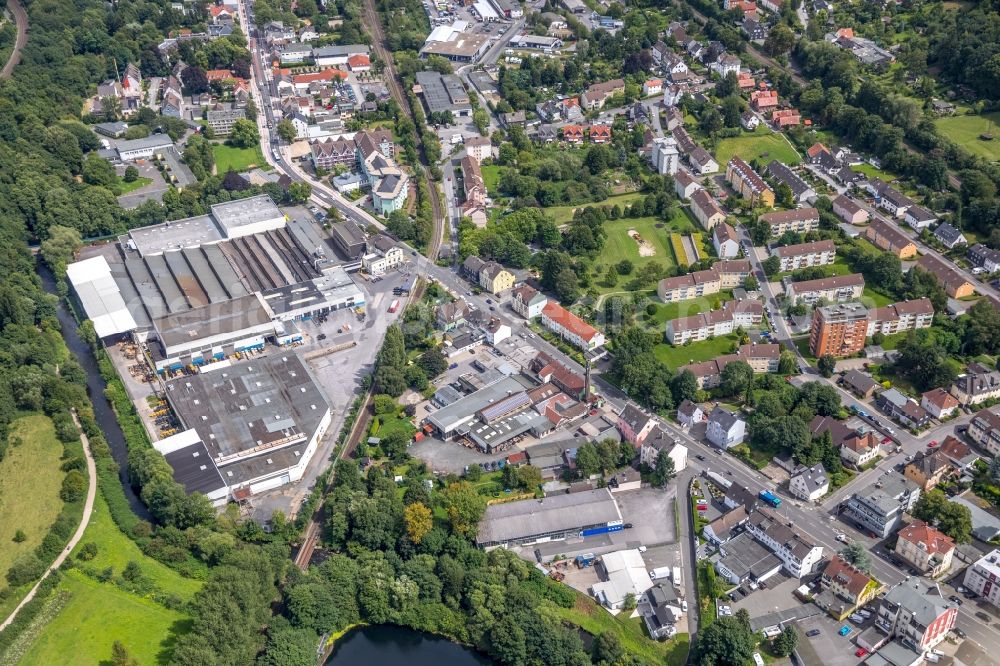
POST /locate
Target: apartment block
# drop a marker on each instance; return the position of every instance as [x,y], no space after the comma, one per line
[838,330]
[879,508]
[748,183]
[798,552]
[925,548]
[762,358]
[839,288]
[571,328]
[803,255]
[900,317]
[887,237]
[714,323]
[984,430]
[706,209]
[917,614]
[722,275]
[983,577]
[799,220]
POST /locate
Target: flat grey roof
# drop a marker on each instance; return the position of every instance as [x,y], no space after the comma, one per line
[558,513]
[250,408]
[242,212]
[151,141]
[446,418]
[210,320]
[746,556]
[194,469]
[189,232]
[334,287]
[442,92]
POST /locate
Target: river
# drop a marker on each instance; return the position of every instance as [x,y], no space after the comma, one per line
[396,646]
[103,414]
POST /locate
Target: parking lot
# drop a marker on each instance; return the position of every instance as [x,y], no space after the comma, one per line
[828,648]
[775,598]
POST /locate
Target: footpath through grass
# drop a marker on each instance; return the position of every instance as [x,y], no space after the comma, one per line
[237,159]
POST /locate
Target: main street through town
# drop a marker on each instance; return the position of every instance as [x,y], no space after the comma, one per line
[820,522]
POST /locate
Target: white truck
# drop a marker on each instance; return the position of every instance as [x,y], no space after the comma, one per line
[659,572]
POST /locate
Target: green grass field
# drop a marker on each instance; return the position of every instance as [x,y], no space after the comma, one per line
[965,131]
[695,352]
[125,188]
[763,143]
[237,159]
[94,617]
[116,550]
[871,297]
[871,172]
[563,214]
[619,245]
[688,308]
[30,478]
[491,177]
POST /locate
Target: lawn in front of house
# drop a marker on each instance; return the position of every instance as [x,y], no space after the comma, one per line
[238,159]
[872,298]
[695,352]
[762,143]
[667,311]
[491,178]
[966,131]
[870,171]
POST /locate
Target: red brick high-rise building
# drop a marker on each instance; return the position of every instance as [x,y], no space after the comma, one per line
[838,330]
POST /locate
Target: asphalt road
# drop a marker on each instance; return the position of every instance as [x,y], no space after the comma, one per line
[21,20]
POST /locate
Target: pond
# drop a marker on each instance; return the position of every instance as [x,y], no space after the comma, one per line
[396,646]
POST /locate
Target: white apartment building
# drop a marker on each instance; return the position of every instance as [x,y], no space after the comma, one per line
[797,551]
[803,255]
[983,577]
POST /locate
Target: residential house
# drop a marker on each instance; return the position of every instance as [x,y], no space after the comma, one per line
[888,198]
[801,191]
[726,64]
[786,118]
[715,323]
[925,548]
[635,424]
[845,588]
[672,95]
[949,236]
[652,87]
[887,237]
[726,242]
[472,266]
[673,64]
[599,93]
[799,220]
[959,454]
[473,184]
[748,183]
[450,316]
[660,610]
[859,450]
[383,255]
[689,413]
[745,81]
[879,508]
[764,100]
[527,301]
[984,430]
[496,331]
[725,527]
[903,409]
[685,186]
[659,440]
[977,385]
[839,432]
[705,208]
[494,278]
[859,383]
[725,429]
[809,483]
[939,403]
[953,282]
[570,327]
[919,217]
[600,134]
[928,469]
[749,121]
[983,257]
[819,155]
[572,134]
[846,209]
[701,161]
[754,30]
[916,613]
[817,253]
[799,554]
[981,578]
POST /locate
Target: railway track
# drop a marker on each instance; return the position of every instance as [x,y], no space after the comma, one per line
[374,24]
[21,22]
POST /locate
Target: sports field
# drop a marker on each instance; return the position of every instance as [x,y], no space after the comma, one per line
[967,130]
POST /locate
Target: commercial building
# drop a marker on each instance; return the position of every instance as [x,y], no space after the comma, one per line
[571,328]
[798,553]
[444,93]
[743,559]
[552,518]
[254,425]
[793,257]
[983,577]
[925,548]
[916,613]
[625,574]
[839,288]
[748,183]
[887,237]
[952,281]
[455,43]
[799,220]
[336,55]
[715,323]
[879,508]
[838,330]
[130,150]
[383,255]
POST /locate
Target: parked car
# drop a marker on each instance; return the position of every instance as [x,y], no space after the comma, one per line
[813,632]
[860,652]
[956,599]
[700,457]
[845,630]
[856,619]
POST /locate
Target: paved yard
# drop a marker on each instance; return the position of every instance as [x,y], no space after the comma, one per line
[651,512]
[775,598]
[828,648]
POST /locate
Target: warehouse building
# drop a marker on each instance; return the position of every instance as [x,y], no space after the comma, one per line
[443,93]
[250,426]
[553,518]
